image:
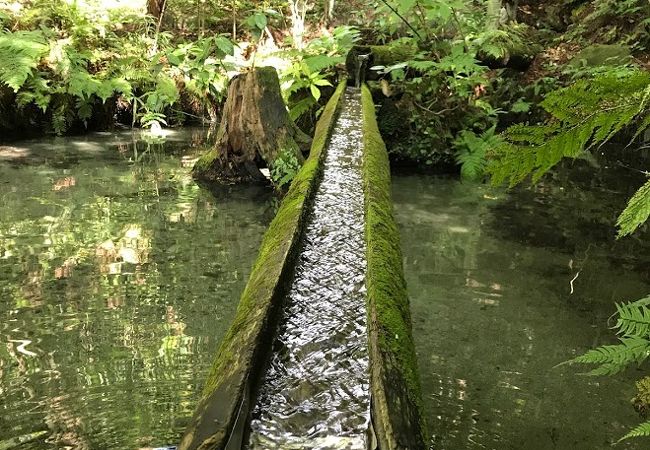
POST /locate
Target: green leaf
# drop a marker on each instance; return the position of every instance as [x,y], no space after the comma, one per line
[633,318]
[584,115]
[225,45]
[315,92]
[636,212]
[122,86]
[520,106]
[612,359]
[174,59]
[20,54]
[301,107]
[260,20]
[639,431]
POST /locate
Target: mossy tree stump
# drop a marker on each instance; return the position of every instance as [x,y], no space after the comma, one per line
[255,130]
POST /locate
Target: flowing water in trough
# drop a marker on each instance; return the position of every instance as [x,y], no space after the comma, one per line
[316,392]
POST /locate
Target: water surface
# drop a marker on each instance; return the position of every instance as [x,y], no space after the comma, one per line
[118,277]
[316,391]
[494,307]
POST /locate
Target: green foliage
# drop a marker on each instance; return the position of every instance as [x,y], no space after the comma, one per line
[80,56]
[639,431]
[471,150]
[633,318]
[499,43]
[584,116]
[442,103]
[616,21]
[636,212]
[285,167]
[446,86]
[633,329]
[20,55]
[612,359]
[312,68]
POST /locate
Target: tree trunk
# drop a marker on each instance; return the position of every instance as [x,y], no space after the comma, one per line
[298,13]
[328,10]
[255,129]
[155,7]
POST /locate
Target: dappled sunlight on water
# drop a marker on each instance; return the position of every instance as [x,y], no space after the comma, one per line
[118,277]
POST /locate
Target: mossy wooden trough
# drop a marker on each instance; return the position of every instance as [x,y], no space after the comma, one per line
[222,416]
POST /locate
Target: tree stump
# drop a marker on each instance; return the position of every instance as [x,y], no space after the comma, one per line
[255,130]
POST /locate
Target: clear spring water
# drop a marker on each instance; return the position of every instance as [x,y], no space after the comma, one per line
[118,277]
[316,391]
[489,275]
[110,314]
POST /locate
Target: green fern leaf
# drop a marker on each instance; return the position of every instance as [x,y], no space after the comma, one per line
[319,63]
[612,359]
[633,318]
[20,54]
[585,114]
[639,431]
[636,212]
[301,107]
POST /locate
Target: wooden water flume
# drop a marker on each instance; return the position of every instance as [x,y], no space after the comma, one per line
[223,417]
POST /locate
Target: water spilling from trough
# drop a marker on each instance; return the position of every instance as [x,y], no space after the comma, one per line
[316,390]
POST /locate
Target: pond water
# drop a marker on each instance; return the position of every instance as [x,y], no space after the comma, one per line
[118,277]
[494,307]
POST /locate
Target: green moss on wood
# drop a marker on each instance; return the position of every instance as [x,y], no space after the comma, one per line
[394,374]
[387,55]
[239,355]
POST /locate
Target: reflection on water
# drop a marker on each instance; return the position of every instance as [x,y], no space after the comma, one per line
[118,277]
[504,287]
[316,391]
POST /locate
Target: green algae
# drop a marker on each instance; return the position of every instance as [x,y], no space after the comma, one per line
[237,366]
[395,385]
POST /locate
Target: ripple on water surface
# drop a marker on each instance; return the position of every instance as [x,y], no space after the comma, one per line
[316,392]
[109,314]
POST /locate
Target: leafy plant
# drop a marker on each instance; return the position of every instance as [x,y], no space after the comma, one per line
[499,43]
[20,54]
[471,150]
[633,329]
[285,167]
[584,116]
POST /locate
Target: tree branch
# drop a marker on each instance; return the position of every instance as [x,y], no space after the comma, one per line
[403,19]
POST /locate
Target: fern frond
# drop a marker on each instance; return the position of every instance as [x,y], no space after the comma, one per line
[584,115]
[319,63]
[301,107]
[471,152]
[20,53]
[633,318]
[639,431]
[636,212]
[612,359]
